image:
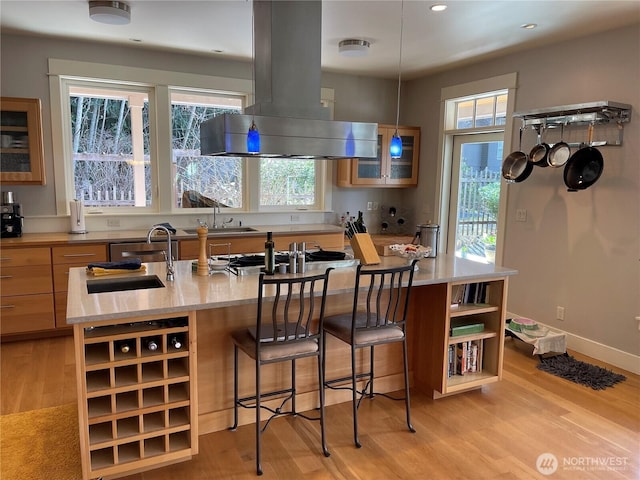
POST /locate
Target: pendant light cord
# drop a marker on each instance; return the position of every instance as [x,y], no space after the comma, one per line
[253,65]
[400,64]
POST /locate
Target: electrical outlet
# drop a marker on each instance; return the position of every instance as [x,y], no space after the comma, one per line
[375,205]
[560,313]
[369,205]
[113,222]
[295,218]
[638,320]
[521,215]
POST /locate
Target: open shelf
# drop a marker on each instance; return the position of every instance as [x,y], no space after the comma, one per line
[138,402]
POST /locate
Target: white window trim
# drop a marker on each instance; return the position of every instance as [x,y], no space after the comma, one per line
[443,172]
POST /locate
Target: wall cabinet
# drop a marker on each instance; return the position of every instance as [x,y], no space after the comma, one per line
[21,147]
[435,318]
[384,171]
[138,406]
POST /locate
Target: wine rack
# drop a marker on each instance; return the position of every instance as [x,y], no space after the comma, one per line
[137,404]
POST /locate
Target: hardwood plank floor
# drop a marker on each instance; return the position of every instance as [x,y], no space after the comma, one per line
[494,433]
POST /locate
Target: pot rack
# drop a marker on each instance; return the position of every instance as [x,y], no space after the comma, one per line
[593,113]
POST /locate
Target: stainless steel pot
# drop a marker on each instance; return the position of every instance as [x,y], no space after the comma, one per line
[427,235]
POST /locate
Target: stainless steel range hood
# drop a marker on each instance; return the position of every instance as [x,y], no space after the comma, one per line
[288,113]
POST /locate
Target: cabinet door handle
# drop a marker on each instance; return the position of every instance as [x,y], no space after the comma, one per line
[7,306]
[5,276]
[5,259]
[79,255]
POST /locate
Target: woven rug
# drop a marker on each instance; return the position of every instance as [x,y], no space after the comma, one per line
[567,367]
[41,444]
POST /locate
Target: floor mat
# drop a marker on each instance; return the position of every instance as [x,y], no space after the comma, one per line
[567,367]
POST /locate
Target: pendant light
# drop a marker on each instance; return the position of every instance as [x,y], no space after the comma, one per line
[253,135]
[395,149]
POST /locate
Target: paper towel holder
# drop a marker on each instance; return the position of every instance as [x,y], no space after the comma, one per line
[77,217]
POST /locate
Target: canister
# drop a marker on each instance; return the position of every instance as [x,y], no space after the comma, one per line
[428,235]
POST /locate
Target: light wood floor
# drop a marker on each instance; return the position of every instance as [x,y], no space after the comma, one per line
[494,433]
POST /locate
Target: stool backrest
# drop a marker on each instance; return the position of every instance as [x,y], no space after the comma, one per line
[290,308]
[387,296]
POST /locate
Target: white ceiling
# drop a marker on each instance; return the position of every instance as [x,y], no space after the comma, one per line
[468,31]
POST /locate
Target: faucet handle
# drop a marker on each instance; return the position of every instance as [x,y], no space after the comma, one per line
[201,223]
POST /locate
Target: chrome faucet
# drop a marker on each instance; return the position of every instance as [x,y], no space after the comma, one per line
[216,205]
[226,222]
[167,254]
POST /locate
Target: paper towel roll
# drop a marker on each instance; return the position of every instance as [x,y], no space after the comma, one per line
[77,216]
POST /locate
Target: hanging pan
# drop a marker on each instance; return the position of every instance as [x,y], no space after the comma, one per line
[517,167]
[584,167]
[559,153]
[540,152]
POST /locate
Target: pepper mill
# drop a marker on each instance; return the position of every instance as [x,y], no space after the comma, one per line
[203,264]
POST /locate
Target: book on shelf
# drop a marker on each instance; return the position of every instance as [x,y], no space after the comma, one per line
[470,294]
[461,327]
[467,358]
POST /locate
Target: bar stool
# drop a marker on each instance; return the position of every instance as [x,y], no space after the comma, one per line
[287,329]
[379,319]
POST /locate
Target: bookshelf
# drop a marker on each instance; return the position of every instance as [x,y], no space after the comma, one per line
[446,306]
[137,405]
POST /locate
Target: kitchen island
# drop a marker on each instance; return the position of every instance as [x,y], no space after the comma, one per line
[143,408]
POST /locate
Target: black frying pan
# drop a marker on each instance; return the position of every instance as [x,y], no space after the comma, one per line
[584,167]
[517,167]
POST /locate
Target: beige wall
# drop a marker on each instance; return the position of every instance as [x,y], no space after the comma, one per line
[578,250]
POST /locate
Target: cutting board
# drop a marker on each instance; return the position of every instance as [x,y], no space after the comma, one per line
[382,242]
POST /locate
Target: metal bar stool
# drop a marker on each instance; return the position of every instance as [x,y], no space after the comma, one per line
[379,320]
[289,329]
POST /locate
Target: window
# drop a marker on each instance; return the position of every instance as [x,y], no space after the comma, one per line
[200,181]
[481,111]
[109,130]
[127,140]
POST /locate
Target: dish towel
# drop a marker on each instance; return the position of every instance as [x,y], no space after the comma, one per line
[112,268]
[167,226]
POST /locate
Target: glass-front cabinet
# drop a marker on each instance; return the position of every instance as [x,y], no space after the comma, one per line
[21,149]
[384,171]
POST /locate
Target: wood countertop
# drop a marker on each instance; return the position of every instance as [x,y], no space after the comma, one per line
[191,292]
[115,236]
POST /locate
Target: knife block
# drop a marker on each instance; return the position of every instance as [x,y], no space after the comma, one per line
[364,249]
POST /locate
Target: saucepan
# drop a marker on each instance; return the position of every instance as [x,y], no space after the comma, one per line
[517,167]
[584,167]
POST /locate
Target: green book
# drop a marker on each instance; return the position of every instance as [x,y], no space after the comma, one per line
[466,329]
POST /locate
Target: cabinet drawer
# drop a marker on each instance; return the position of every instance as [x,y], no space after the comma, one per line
[16,257]
[26,313]
[79,254]
[61,275]
[26,280]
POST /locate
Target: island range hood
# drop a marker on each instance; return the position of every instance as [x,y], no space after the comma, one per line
[287,112]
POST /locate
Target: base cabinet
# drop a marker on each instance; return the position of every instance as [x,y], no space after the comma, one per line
[137,394]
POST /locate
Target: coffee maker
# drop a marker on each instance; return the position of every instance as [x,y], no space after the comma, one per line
[11,214]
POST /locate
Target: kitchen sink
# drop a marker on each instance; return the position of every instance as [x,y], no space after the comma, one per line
[123,283]
[218,231]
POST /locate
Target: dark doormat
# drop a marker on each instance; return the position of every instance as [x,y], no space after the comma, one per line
[567,367]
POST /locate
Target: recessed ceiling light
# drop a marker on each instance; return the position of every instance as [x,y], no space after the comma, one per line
[529,26]
[438,7]
[352,47]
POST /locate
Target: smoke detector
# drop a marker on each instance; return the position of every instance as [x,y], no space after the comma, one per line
[352,47]
[112,13]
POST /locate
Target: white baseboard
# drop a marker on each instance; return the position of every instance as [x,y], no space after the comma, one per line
[604,353]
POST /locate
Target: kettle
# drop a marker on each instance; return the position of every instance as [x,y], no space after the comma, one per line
[427,236]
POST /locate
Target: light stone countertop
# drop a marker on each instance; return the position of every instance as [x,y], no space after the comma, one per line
[191,292]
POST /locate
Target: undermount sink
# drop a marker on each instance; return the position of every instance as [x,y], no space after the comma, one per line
[123,283]
[217,231]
